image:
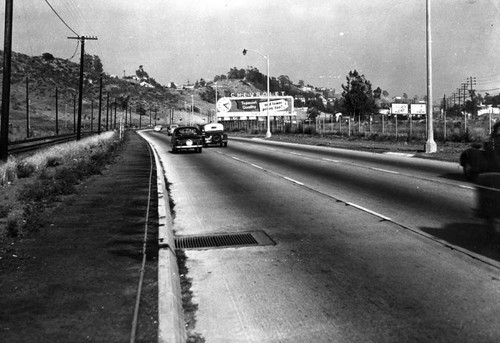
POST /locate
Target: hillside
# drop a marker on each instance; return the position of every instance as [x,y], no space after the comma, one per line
[46,74]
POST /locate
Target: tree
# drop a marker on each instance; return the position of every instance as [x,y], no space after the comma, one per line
[236,74]
[141,74]
[92,66]
[208,95]
[47,56]
[357,95]
[301,83]
[284,82]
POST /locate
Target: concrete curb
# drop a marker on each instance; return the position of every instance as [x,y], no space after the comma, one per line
[171,326]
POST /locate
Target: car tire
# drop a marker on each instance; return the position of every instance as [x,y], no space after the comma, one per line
[225,144]
[468,171]
[216,138]
[199,150]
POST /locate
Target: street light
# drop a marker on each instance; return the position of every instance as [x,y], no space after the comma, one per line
[268,133]
[430,145]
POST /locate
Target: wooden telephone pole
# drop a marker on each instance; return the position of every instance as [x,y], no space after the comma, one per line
[7,55]
[80,95]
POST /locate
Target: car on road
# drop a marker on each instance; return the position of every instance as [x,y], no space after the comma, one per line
[186,138]
[483,158]
[171,129]
[214,134]
[158,128]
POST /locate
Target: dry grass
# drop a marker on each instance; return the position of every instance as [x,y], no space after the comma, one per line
[30,184]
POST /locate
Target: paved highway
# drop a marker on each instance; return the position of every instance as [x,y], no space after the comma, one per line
[369,247]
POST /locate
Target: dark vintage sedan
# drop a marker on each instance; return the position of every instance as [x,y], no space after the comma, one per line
[186,138]
[483,158]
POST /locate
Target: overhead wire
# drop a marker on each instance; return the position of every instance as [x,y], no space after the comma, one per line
[76,50]
[60,18]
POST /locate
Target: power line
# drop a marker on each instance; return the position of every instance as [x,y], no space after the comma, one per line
[57,14]
[77,45]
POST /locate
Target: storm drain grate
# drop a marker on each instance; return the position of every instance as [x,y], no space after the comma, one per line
[223,240]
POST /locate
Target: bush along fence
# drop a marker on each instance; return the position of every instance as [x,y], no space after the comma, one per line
[451,129]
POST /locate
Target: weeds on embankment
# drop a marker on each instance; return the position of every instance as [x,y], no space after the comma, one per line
[29,185]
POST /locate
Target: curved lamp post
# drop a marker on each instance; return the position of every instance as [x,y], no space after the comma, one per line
[268,133]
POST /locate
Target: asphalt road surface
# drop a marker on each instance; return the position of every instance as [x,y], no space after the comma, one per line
[369,247]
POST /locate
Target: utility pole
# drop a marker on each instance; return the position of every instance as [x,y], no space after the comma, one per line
[27,108]
[80,96]
[7,56]
[471,81]
[74,113]
[100,104]
[57,112]
[464,86]
[91,115]
[444,115]
[107,113]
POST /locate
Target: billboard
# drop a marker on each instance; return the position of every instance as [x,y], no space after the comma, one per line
[253,107]
[399,108]
[418,108]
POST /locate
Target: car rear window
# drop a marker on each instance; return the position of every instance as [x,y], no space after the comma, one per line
[186,131]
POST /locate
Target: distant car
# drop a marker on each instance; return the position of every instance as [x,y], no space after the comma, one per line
[158,128]
[171,129]
[483,158]
[214,134]
[186,138]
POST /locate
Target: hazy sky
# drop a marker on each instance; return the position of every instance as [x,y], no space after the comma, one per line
[318,41]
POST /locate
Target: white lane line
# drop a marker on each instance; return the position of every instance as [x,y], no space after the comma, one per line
[398,154]
[292,180]
[466,187]
[330,160]
[385,170]
[296,153]
[369,211]
[308,187]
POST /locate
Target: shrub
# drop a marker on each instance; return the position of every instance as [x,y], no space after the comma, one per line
[8,173]
[12,227]
[4,210]
[310,130]
[54,161]
[25,169]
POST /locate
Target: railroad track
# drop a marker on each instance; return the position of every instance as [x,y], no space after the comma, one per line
[33,144]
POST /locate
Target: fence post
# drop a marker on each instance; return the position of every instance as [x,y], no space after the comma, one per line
[396,119]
